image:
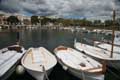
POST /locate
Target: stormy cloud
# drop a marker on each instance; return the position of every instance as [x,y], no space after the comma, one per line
[62,8]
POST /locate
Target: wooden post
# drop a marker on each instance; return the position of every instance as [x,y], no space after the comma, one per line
[104,66]
[113,33]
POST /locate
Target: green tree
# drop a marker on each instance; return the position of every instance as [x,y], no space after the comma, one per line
[45,20]
[108,23]
[13,20]
[34,20]
[97,23]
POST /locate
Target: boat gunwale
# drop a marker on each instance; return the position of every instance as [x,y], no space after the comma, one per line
[22,61]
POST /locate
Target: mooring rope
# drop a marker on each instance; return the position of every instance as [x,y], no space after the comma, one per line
[45,73]
[83,75]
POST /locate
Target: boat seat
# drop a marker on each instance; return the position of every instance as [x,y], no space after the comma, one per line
[37,56]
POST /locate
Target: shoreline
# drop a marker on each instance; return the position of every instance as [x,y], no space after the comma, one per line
[71,28]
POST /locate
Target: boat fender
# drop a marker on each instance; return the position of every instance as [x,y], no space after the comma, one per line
[65,68]
[20,70]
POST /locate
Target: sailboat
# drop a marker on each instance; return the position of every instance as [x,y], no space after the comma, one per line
[78,64]
[111,56]
[9,58]
[39,62]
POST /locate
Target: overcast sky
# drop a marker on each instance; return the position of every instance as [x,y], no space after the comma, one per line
[100,9]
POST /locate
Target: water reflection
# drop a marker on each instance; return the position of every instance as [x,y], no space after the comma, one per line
[46,38]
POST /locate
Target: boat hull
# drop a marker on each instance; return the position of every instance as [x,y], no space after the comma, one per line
[9,72]
[82,75]
[9,64]
[86,76]
[39,75]
[39,70]
[110,63]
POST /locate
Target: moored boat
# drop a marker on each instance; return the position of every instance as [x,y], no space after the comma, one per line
[9,58]
[38,62]
[99,54]
[78,64]
[107,47]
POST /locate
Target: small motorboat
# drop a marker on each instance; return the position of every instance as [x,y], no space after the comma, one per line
[9,58]
[39,62]
[78,64]
[99,54]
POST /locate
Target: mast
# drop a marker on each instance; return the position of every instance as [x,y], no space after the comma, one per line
[113,32]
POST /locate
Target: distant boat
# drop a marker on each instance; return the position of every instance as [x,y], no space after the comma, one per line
[79,64]
[38,62]
[99,54]
[9,58]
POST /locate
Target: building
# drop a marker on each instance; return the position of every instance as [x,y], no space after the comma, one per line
[3,20]
[25,21]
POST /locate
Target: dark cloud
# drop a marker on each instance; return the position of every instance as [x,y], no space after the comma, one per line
[9,6]
[85,8]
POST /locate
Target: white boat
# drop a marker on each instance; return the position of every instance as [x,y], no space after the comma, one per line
[106,46]
[79,64]
[117,41]
[99,54]
[39,62]
[9,58]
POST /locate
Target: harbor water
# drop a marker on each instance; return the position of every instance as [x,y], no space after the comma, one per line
[51,39]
